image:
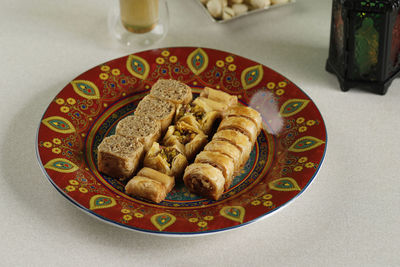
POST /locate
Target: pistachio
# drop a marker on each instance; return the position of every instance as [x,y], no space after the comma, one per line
[169,153]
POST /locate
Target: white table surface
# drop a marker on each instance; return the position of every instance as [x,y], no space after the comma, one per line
[349,216]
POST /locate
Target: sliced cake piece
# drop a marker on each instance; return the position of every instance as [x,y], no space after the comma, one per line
[157,109]
[172,90]
[142,127]
[119,156]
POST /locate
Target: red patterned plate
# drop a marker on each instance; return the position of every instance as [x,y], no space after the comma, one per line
[284,161]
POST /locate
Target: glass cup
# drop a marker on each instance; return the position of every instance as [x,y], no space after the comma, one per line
[139,23]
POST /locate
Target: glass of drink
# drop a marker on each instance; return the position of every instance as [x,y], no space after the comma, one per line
[139,23]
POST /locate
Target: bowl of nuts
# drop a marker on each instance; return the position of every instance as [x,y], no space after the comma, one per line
[226,10]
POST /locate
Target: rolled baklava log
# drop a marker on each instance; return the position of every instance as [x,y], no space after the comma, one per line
[186,137]
[247,112]
[157,109]
[166,159]
[197,115]
[204,180]
[172,90]
[146,188]
[119,156]
[238,139]
[219,96]
[166,180]
[214,105]
[142,127]
[150,184]
[220,161]
[226,148]
[240,124]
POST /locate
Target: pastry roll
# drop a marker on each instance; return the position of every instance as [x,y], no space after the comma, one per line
[199,116]
[204,180]
[167,181]
[145,129]
[186,137]
[172,90]
[168,160]
[220,161]
[238,139]
[119,156]
[146,188]
[157,109]
[246,112]
[241,124]
[226,148]
[214,105]
[219,96]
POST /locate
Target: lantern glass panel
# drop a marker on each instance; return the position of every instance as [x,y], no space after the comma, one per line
[366,28]
[395,46]
[338,36]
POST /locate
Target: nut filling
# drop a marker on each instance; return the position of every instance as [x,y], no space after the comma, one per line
[184,135]
[193,109]
[201,186]
[169,153]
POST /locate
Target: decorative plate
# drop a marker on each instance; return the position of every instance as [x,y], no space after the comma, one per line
[287,155]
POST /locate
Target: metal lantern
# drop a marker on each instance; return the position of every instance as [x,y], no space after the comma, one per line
[365,43]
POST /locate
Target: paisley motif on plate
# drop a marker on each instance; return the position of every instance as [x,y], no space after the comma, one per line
[252,76]
[61,165]
[292,107]
[101,202]
[305,143]
[284,184]
[234,213]
[197,61]
[138,67]
[162,220]
[59,124]
[86,89]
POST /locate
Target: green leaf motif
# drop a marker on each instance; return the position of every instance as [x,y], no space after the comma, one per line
[305,143]
[284,184]
[292,107]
